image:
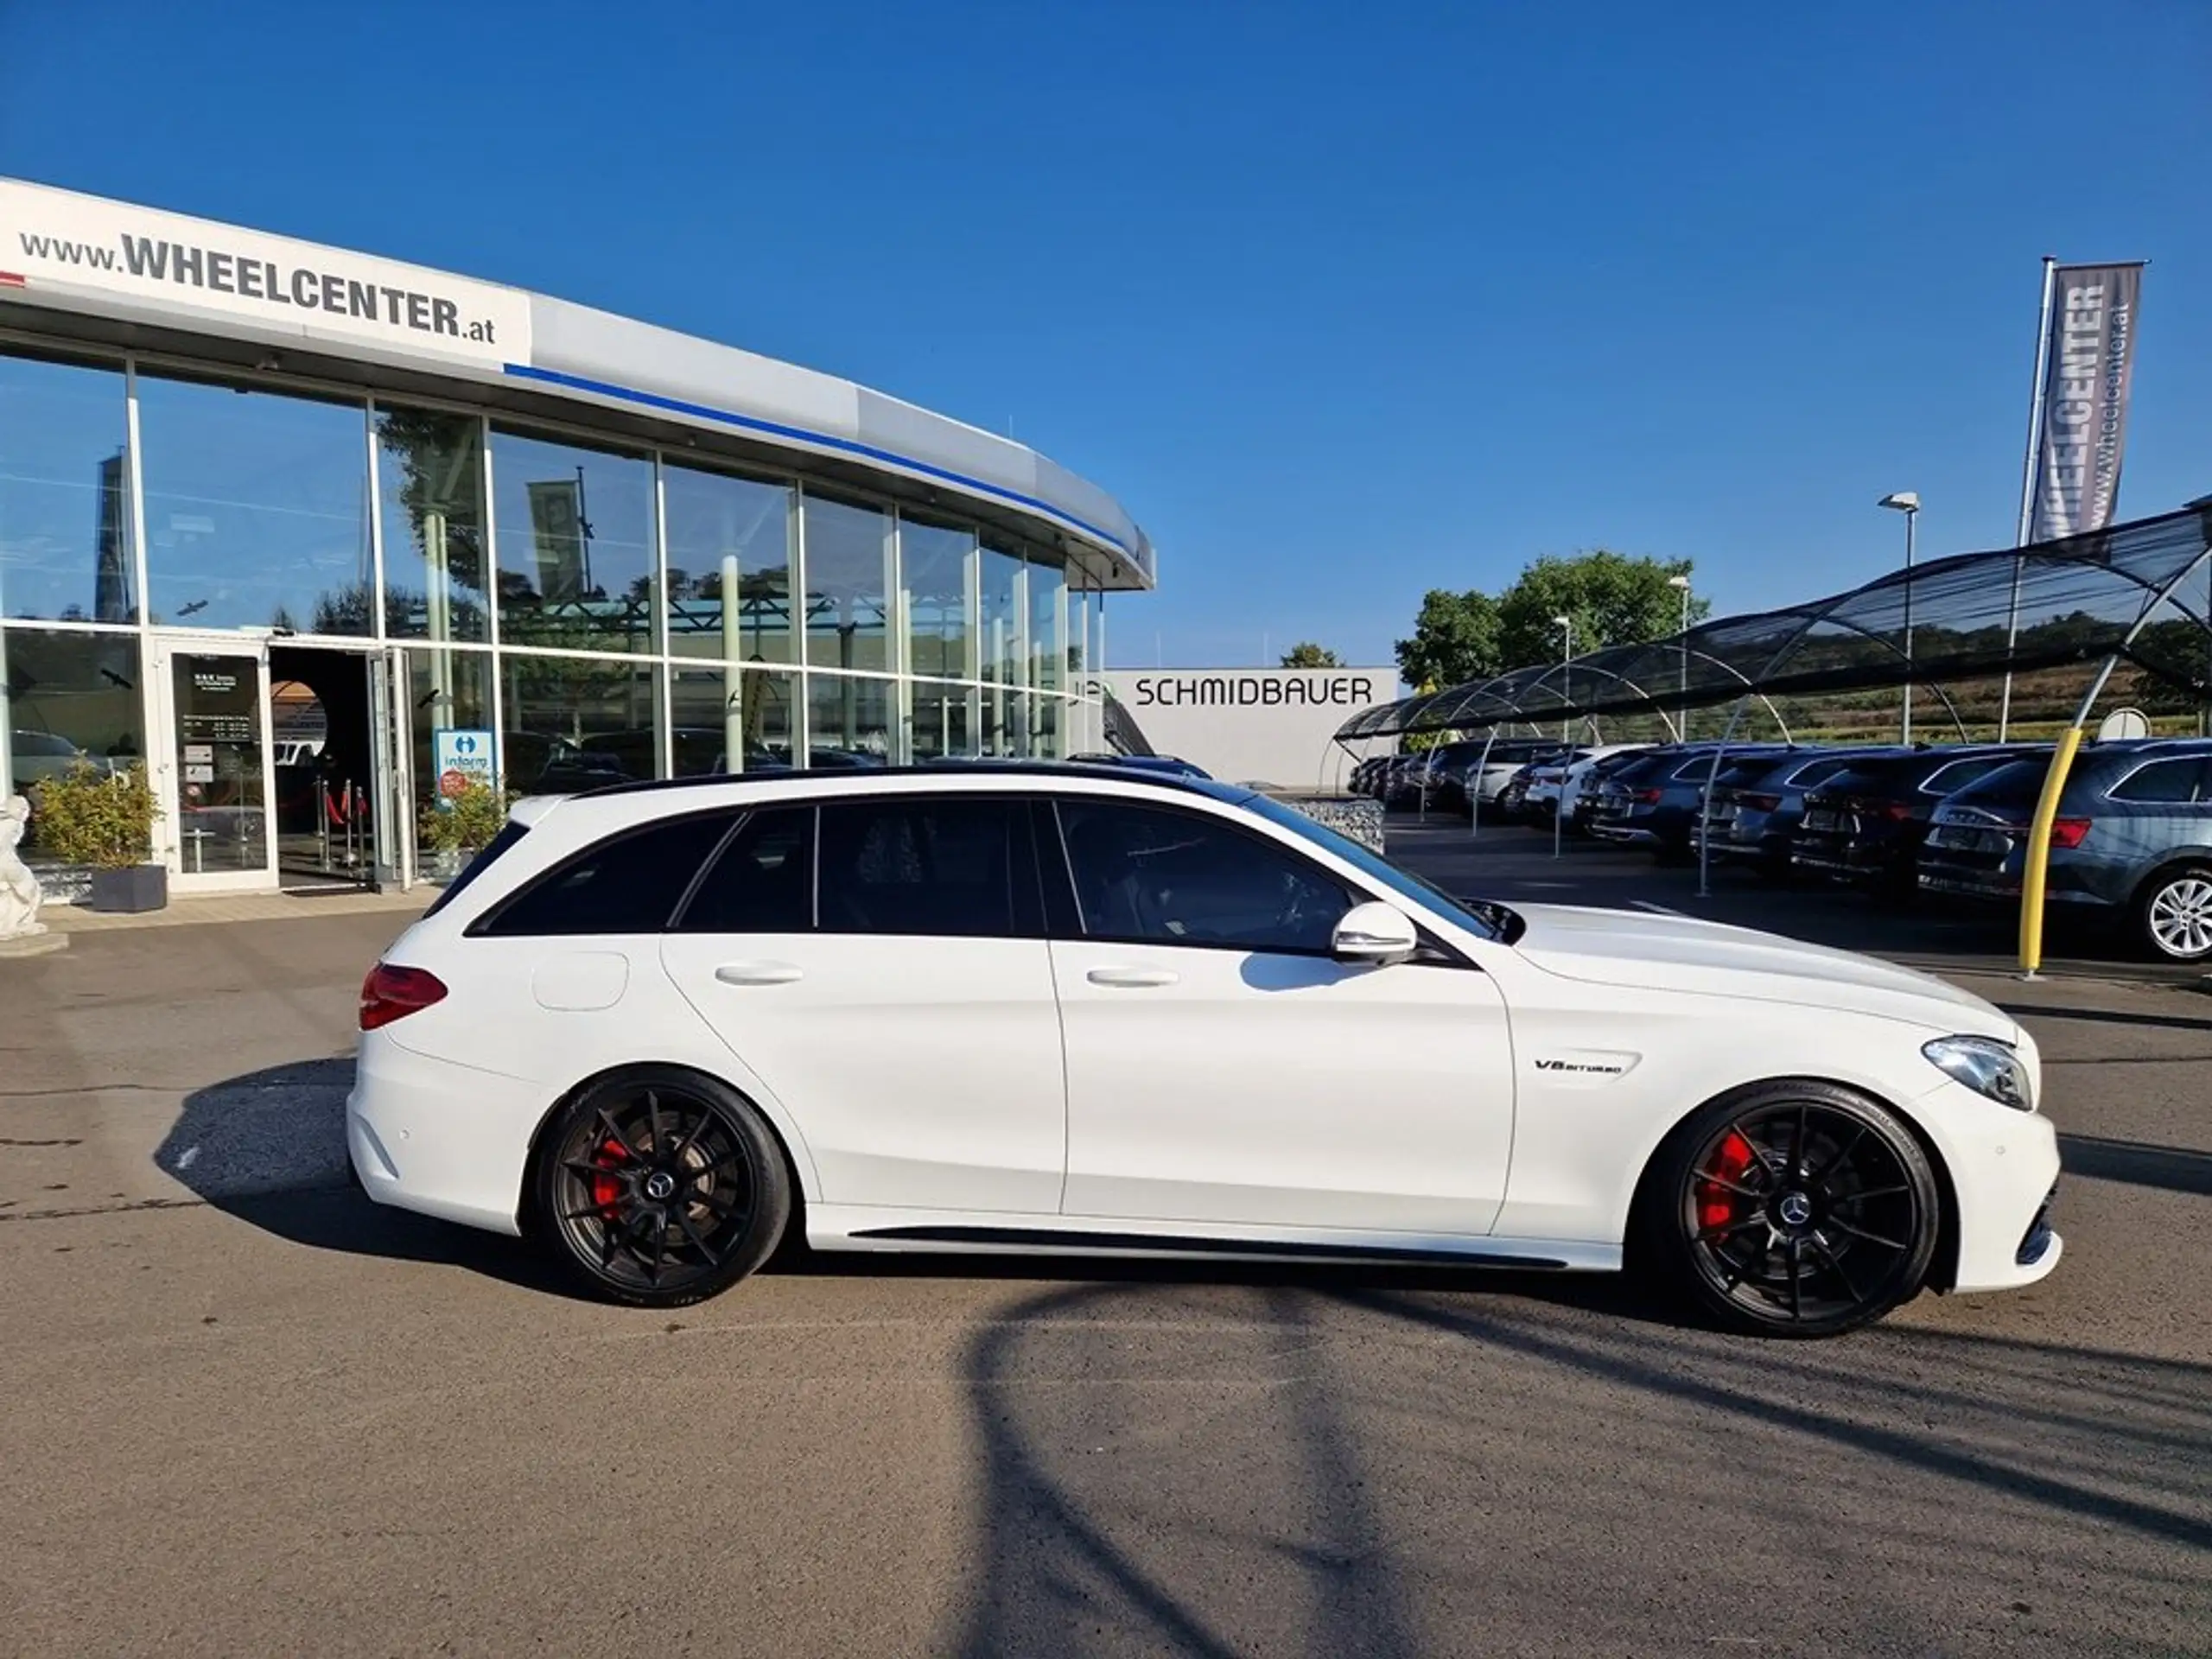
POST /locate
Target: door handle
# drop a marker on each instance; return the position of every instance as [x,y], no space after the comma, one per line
[759,973]
[1133,978]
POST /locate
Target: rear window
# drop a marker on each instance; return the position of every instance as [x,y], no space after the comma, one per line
[2016,783]
[628,883]
[510,833]
[1945,780]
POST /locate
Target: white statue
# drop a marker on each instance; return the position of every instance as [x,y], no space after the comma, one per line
[19,890]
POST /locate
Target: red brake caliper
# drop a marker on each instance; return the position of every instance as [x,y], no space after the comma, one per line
[1716,1204]
[605,1190]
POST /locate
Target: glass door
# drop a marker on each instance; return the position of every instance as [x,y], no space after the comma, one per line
[217,828]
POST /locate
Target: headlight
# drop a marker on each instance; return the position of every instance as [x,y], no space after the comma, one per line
[1985,1065]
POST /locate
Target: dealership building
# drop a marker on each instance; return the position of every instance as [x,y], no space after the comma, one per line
[320,537]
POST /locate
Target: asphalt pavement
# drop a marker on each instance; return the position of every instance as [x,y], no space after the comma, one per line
[246,1412]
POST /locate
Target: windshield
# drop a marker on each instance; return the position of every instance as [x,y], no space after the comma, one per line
[1404,883]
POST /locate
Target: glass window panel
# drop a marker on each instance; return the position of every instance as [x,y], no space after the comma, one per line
[65,538]
[65,697]
[848,720]
[945,720]
[934,561]
[1047,629]
[257,509]
[2177,781]
[999,628]
[1047,733]
[712,520]
[430,489]
[451,691]
[698,699]
[763,881]
[1004,715]
[1173,878]
[628,883]
[942,869]
[576,535]
[847,584]
[574,723]
[222,805]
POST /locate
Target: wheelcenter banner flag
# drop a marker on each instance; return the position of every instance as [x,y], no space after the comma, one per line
[2089,358]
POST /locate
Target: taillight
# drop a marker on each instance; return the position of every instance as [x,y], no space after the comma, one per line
[1648,796]
[1761,803]
[391,993]
[2070,832]
[1896,812]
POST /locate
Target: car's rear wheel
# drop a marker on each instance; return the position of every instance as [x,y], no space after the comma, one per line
[2174,914]
[660,1187]
[1793,1209]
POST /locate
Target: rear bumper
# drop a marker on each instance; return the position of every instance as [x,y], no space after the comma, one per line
[440,1139]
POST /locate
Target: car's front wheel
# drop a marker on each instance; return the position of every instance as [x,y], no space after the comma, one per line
[1792,1208]
[660,1187]
[2174,914]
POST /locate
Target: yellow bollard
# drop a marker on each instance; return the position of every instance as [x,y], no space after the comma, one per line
[2033,872]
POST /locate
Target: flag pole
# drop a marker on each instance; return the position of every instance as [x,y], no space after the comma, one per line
[2028,487]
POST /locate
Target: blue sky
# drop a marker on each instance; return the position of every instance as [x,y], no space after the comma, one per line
[1344,302]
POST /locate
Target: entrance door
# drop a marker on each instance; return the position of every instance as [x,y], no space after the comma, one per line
[216,830]
[324,765]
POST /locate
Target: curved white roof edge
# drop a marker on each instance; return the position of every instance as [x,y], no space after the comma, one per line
[67,251]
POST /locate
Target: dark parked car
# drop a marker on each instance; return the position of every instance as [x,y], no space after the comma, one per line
[1866,824]
[2132,840]
[1655,802]
[1755,809]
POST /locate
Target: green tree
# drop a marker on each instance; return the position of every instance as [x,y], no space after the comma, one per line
[1455,640]
[1306,654]
[1613,599]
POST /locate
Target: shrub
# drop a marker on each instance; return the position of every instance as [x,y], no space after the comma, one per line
[96,818]
[466,823]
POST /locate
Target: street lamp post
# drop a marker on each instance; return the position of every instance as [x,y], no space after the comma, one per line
[1565,624]
[1682,584]
[1908,503]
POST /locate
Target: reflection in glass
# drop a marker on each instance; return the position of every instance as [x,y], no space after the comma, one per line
[1047,627]
[720,528]
[257,509]
[848,583]
[1048,716]
[577,722]
[65,697]
[451,691]
[65,547]
[847,716]
[934,563]
[430,489]
[761,720]
[221,802]
[945,720]
[576,535]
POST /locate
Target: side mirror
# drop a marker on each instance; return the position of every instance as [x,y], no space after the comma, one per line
[1374,933]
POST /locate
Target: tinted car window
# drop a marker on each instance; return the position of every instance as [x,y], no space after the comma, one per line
[510,833]
[629,883]
[1165,877]
[916,866]
[763,882]
[2017,783]
[2179,781]
[1944,779]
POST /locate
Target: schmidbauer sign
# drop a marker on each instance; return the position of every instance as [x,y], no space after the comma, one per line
[1250,725]
[56,245]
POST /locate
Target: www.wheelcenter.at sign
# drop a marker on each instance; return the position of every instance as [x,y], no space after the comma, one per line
[159,265]
[1250,725]
[462,756]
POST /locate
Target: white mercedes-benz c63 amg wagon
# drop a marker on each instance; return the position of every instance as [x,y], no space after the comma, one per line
[1076,1009]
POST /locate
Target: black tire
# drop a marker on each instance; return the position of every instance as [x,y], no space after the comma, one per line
[1792,1208]
[2173,914]
[660,1187]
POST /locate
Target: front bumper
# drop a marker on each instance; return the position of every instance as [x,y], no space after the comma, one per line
[2003,1167]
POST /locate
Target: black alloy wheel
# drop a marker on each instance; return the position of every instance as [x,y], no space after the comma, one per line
[660,1188]
[1793,1209]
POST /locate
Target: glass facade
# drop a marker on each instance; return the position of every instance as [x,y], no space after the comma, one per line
[610,611]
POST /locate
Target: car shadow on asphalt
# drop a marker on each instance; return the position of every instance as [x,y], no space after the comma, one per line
[2177,1169]
[269,1147]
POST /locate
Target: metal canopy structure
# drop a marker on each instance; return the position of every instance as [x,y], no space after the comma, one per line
[2135,591]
